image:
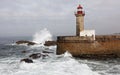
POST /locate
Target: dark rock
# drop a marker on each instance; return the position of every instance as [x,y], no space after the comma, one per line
[27,60]
[25,42]
[23,51]
[47,52]
[35,56]
[31,43]
[50,43]
[44,56]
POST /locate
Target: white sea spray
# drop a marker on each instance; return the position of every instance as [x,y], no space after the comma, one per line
[42,36]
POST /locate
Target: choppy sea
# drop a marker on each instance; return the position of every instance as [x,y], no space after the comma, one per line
[64,64]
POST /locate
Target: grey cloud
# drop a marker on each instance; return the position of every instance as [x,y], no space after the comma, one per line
[57,16]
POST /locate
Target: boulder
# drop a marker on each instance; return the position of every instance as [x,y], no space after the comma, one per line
[31,43]
[44,56]
[35,56]
[25,42]
[47,52]
[23,51]
[38,55]
[50,43]
[27,60]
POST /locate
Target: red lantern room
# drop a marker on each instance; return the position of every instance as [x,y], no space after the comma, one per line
[79,10]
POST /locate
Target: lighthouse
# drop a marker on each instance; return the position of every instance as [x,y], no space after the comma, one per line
[79,20]
[85,44]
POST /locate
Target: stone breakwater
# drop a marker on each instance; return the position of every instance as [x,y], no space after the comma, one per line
[103,46]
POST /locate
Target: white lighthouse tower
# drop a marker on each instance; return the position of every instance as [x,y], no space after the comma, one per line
[79,20]
[80,31]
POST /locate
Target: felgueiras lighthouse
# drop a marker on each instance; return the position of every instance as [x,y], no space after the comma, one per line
[80,31]
[85,43]
[79,20]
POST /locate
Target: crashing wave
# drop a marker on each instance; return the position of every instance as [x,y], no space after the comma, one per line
[42,36]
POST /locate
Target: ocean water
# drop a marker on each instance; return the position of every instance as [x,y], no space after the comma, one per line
[64,64]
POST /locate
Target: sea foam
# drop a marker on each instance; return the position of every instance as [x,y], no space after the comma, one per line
[55,66]
[63,66]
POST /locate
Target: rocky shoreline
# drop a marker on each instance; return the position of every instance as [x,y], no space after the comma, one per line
[29,43]
[42,55]
[25,42]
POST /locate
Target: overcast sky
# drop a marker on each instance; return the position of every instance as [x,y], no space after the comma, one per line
[25,17]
